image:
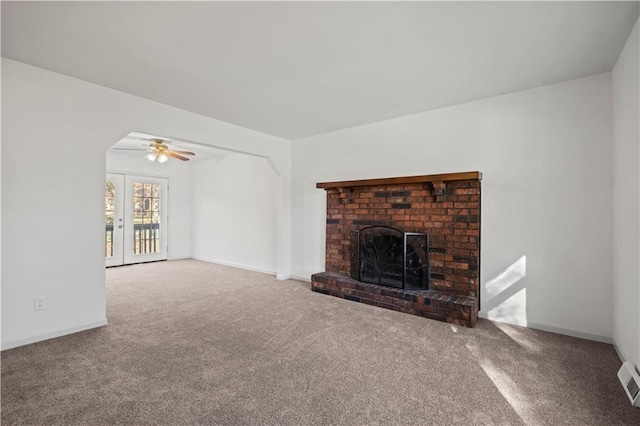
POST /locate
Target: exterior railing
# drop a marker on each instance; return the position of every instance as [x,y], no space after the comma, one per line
[146,238]
[108,241]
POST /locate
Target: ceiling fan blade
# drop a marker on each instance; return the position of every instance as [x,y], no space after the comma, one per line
[179,157]
[137,139]
[183,152]
[142,136]
[129,149]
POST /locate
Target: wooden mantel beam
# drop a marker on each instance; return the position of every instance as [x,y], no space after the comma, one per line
[401,180]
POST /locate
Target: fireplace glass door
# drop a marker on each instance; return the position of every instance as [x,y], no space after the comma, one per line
[387,256]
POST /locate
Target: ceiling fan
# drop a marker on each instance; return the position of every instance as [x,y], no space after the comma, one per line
[158,150]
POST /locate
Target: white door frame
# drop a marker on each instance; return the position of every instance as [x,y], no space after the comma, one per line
[118,221]
[123,233]
[129,227]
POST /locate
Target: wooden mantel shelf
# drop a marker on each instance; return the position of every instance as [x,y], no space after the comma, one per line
[401,180]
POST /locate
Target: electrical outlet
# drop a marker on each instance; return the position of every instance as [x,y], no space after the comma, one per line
[38,304]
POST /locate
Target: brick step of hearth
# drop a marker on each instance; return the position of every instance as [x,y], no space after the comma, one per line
[438,305]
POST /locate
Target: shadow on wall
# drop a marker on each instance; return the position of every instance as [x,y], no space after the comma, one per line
[505,295]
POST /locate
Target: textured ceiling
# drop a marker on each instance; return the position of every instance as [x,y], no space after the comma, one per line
[295,69]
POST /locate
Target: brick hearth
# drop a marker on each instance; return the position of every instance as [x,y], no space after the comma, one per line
[447,207]
[425,303]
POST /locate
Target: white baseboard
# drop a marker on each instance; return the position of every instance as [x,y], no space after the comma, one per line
[179,258]
[572,333]
[300,278]
[235,265]
[623,357]
[558,330]
[51,334]
[620,352]
[484,315]
[294,277]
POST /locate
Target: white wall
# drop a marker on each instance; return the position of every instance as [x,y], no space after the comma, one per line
[234,212]
[626,234]
[546,194]
[55,134]
[179,175]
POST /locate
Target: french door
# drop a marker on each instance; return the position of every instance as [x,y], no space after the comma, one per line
[135,219]
[114,220]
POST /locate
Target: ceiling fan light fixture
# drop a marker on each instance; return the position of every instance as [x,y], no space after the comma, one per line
[159,151]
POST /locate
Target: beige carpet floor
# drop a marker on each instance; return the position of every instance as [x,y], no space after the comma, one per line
[195,343]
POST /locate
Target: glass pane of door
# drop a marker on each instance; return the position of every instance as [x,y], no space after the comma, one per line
[146,217]
[145,230]
[113,219]
[109,216]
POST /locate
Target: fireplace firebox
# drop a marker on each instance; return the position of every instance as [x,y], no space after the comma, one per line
[387,256]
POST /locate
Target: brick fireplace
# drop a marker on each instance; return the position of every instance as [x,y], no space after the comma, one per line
[439,218]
